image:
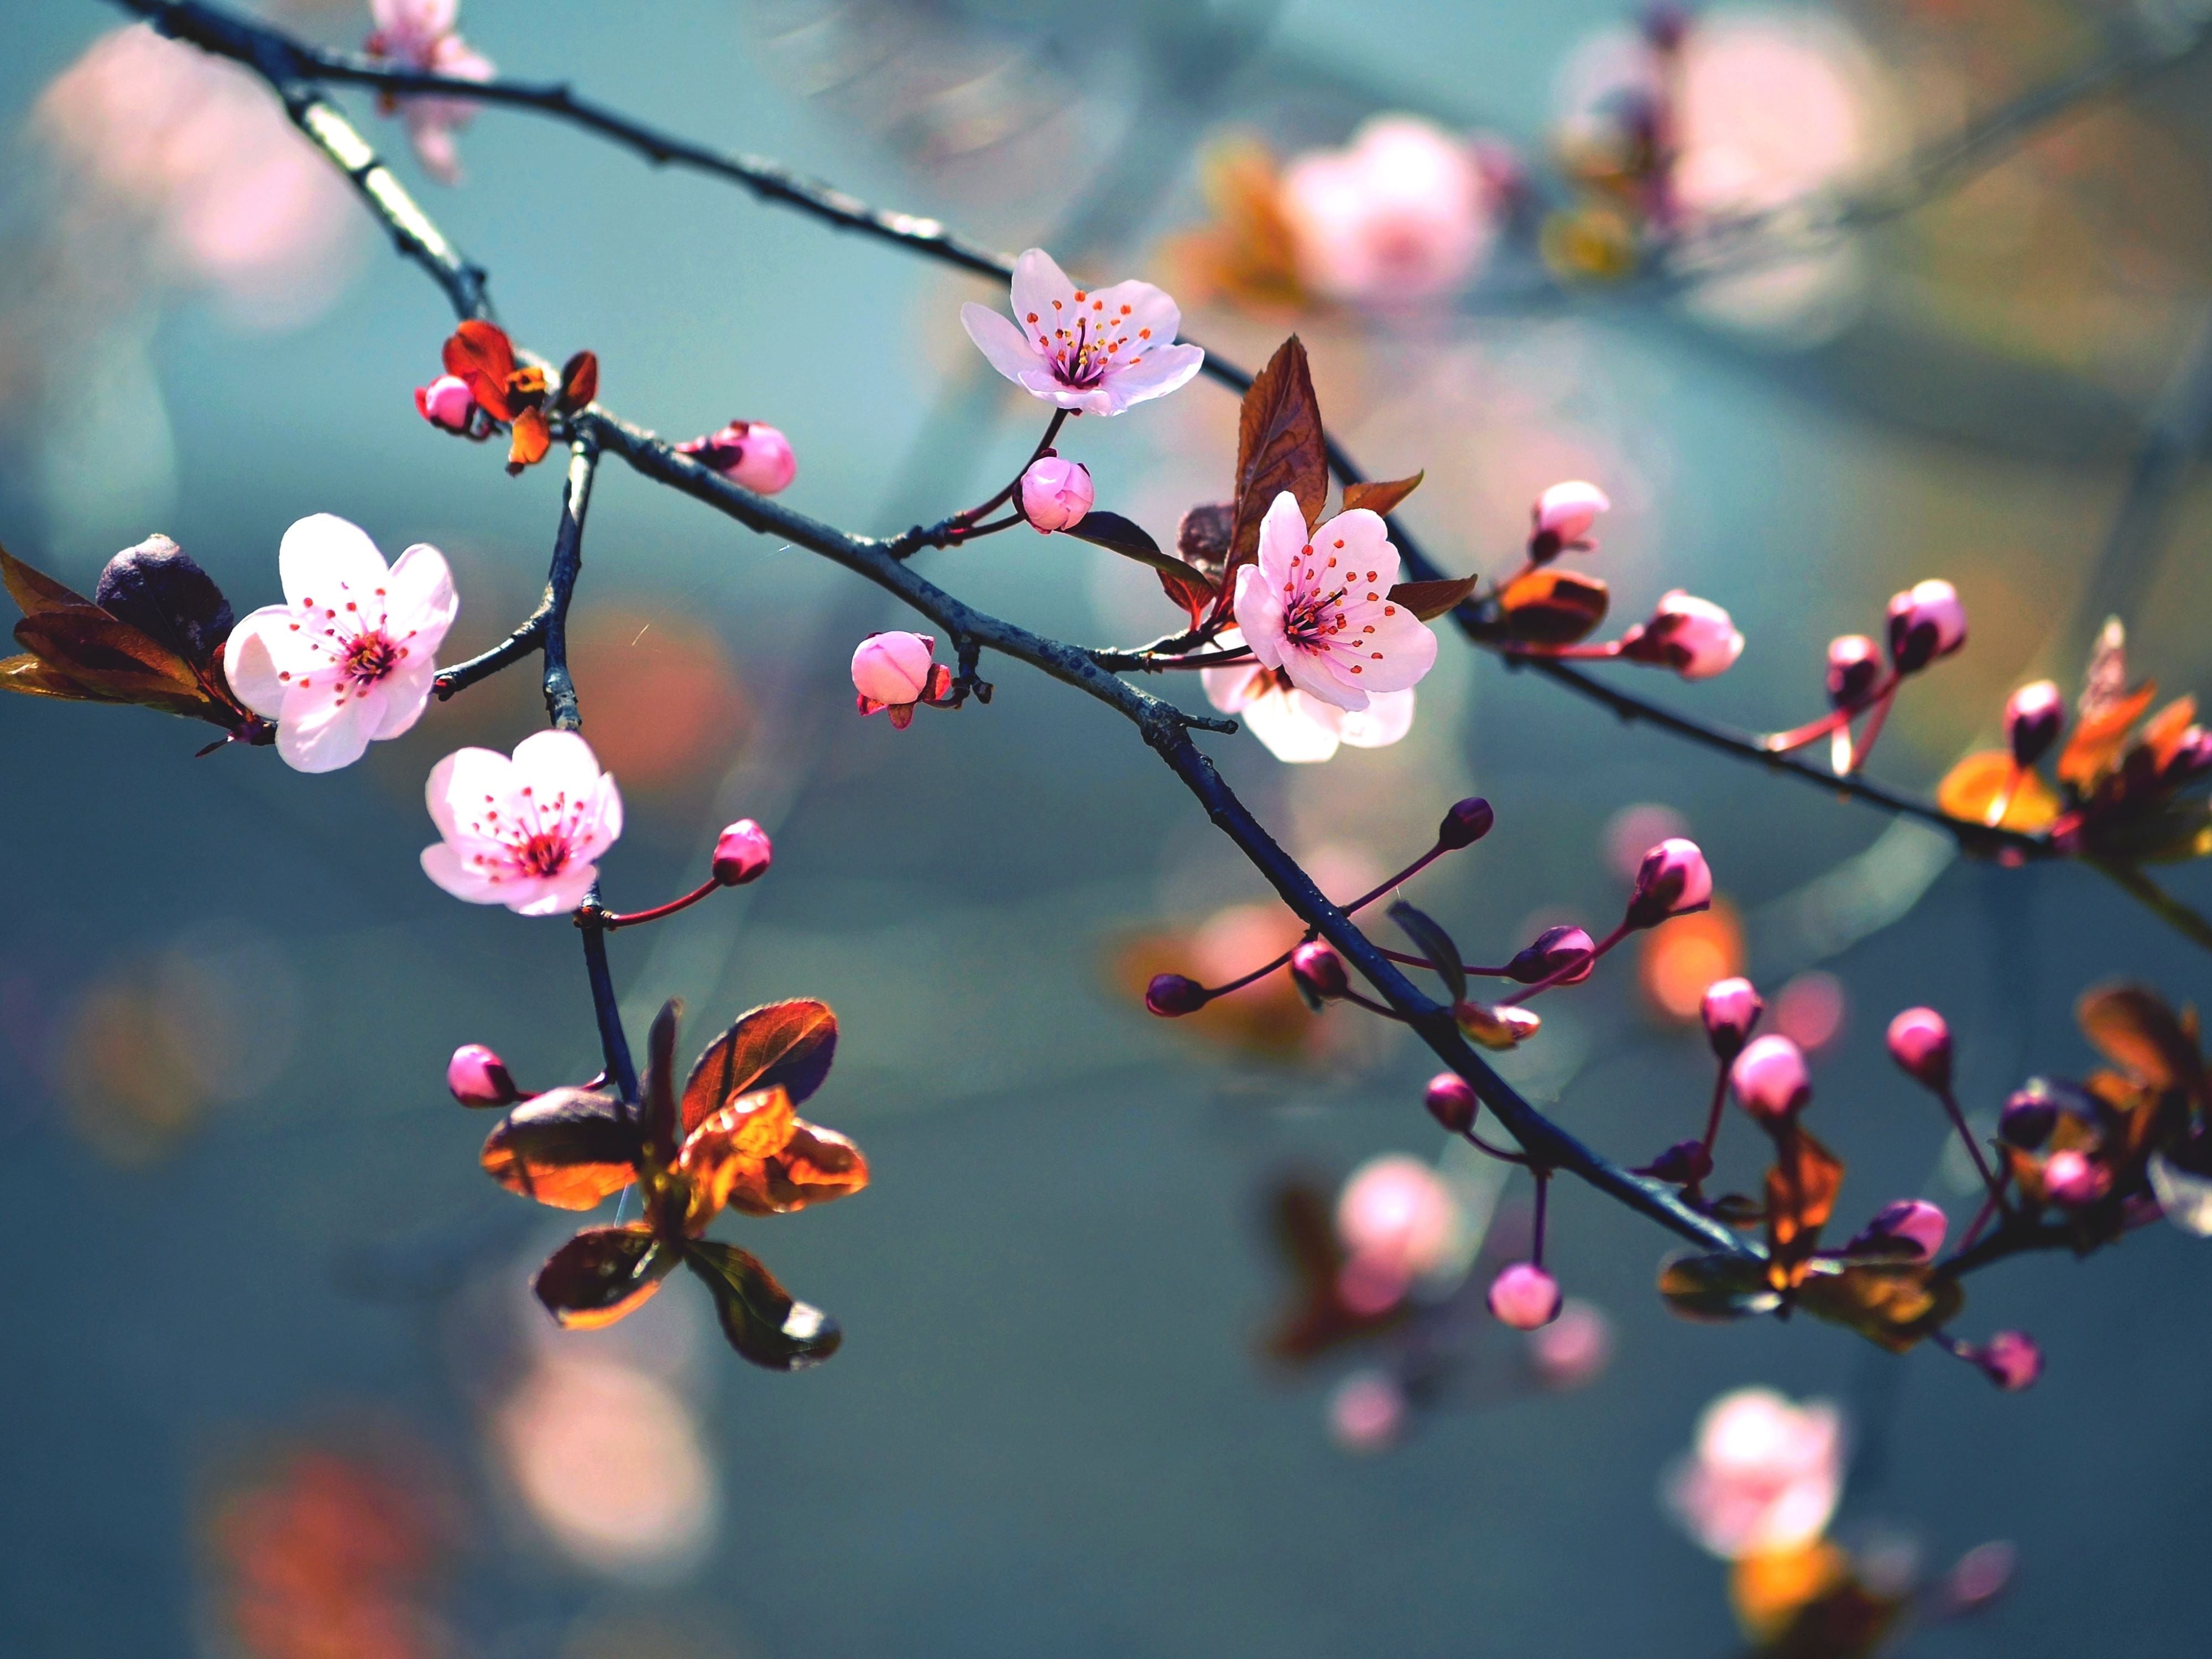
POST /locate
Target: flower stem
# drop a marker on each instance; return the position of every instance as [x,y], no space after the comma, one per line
[1865,745]
[1974,1147]
[1543,1204]
[1567,969]
[630,919]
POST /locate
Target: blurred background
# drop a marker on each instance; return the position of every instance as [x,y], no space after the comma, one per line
[275,1381]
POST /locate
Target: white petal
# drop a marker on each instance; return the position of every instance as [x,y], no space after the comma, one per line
[1259,613]
[1317,672]
[406,693]
[420,599]
[1366,545]
[1162,371]
[1038,281]
[464,783]
[445,866]
[323,559]
[1282,538]
[998,339]
[318,733]
[1149,308]
[1386,718]
[2185,1198]
[251,658]
[1406,647]
[555,894]
[550,763]
[601,825]
[1295,727]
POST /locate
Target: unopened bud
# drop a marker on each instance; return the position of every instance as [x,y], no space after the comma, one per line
[478,1077]
[750,454]
[446,403]
[1467,823]
[1496,1027]
[893,669]
[1555,948]
[1451,1101]
[2190,759]
[1771,1078]
[1056,494]
[1920,1042]
[2010,1359]
[2074,1179]
[1524,1297]
[2029,1116]
[1730,1008]
[1171,996]
[1926,622]
[1562,518]
[1694,637]
[1854,665]
[2034,716]
[742,853]
[1909,1221]
[1673,880]
[1319,972]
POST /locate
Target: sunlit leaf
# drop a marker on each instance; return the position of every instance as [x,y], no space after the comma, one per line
[1188,589]
[1551,605]
[2098,738]
[1279,447]
[1801,1196]
[759,1316]
[1430,600]
[815,1166]
[1769,1587]
[601,1274]
[1717,1288]
[569,1148]
[528,440]
[1382,496]
[1895,1304]
[1974,788]
[734,1140]
[2132,1027]
[1434,943]
[789,1044]
[481,353]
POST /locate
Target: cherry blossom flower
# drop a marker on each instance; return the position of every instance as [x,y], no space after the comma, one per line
[1396,1213]
[419,34]
[1910,1221]
[1095,352]
[1926,622]
[477,1077]
[349,658]
[1296,725]
[1765,1475]
[1404,213]
[1729,1008]
[742,853]
[523,832]
[1920,1042]
[1318,608]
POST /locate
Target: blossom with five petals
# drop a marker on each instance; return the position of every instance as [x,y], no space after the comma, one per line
[1318,607]
[349,658]
[523,832]
[419,34]
[1095,352]
[1294,725]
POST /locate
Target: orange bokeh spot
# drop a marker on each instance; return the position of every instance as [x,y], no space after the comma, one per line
[1680,958]
[663,702]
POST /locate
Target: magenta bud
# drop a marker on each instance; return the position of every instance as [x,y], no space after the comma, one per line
[1771,1078]
[1920,1042]
[1562,518]
[2191,759]
[1451,1101]
[2074,1179]
[1171,996]
[1056,494]
[1854,665]
[893,670]
[1730,1008]
[749,454]
[1673,880]
[1524,1297]
[1684,1161]
[1467,823]
[1694,637]
[1319,972]
[2010,1359]
[2029,1116]
[2034,715]
[1555,948]
[742,853]
[1913,1222]
[446,403]
[478,1077]
[1926,622]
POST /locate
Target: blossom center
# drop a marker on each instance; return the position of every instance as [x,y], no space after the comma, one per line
[1086,344]
[545,854]
[368,658]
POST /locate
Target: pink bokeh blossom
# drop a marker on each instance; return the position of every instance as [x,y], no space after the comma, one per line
[1405,212]
[525,832]
[420,34]
[1765,1475]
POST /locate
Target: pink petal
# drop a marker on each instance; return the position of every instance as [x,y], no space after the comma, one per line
[1038,281]
[462,784]
[1282,537]
[406,693]
[322,558]
[444,865]
[1000,341]
[1386,718]
[1149,308]
[1259,612]
[420,599]
[250,659]
[1293,726]
[316,733]
[1315,673]
[1162,371]
[556,763]
[555,894]
[1367,545]
[1405,645]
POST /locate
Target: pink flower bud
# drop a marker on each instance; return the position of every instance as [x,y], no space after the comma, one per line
[1573,1349]
[1562,518]
[742,853]
[2034,716]
[1451,1101]
[1554,948]
[1673,880]
[1730,1008]
[1854,665]
[1524,1297]
[1920,1042]
[1692,636]
[447,403]
[1926,622]
[1467,823]
[1055,493]
[893,670]
[1911,1221]
[1319,972]
[478,1077]
[2010,1359]
[1171,996]
[750,453]
[1770,1078]
[2074,1179]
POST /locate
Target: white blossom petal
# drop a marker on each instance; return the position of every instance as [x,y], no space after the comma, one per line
[320,734]
[1294,727]
[1000,341]
[251,658]
[1386,718]
[323,558]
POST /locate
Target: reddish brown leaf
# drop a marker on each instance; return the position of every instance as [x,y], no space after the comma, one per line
[1892,1306]
[815,1166]
[601,1274]
[1279,447]
[1316,1318]
[2099,737]
[569,1148]
[788,1044]
[2132,1027]
[663,1128]
[1430,600]
[481,353]
[761,1319]
[35,591]
[1189,590]
[579,381]
[528,440]
[34,678]
[1381,497]
[1800,1195]
[731,1149]
[110,661]
[1551,605]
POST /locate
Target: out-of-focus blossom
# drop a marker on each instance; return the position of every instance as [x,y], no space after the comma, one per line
[420,34]
[750,453]
[1926,622]
[477,1077]
[609,1461]
[1634,831]
[1692,636]
[447,402]
[1978,1576]
[1404,213]
[1673,879]
[742,853]
[2034,715]
[2074,1179]
[1095,352]
[1809,1010]
[1056,493]
[2010,1359]
[1451,1101]
[1729,1009]
[1770,1078]
[892,671]
[1561,518]
[1367,1410]
[1574,1348]
[1920,1042]
[523,832]
[1524,1297]
[350,656]
[1294,725]
[1854,665]
[1395,1211]
[1763,1476]
[1909,1221]
[1318,607]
